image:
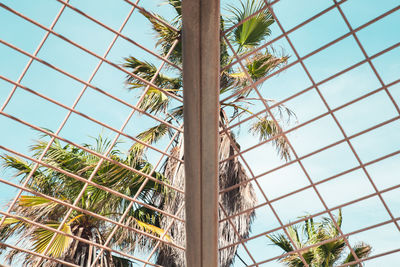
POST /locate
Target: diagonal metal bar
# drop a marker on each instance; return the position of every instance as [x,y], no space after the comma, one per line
[89,51]
[38,255]
[119,34]
[13,91]
[326,180]
[269,204]
[334,116]
[253,86]
[77,238]
[258,82]
[333,239]
[146,180]
[76,201]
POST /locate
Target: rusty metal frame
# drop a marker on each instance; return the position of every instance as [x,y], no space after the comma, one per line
[201,78]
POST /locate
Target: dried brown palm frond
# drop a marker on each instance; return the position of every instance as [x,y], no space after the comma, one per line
[234,201]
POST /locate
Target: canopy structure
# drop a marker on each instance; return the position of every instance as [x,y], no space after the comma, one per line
[202,133]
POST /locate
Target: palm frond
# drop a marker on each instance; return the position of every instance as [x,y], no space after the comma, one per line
[149,136]
[19,165]
[294,235]
[34,201]
[257,66]
[281,241]
[146,71]
[42,237]
[149,228]
[362,250]
[122,262]
[12,227]
[327,254]
[143,69]
[177,113]
[265,129]
[255,29]
[9,221]
[154,101]
[167,36]
[56,184]
[177,4]
[261,64]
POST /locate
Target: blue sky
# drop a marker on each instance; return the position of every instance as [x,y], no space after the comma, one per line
[354,118]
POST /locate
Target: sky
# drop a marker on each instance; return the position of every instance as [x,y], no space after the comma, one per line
[354,118]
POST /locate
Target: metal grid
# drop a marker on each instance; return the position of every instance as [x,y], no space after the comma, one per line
[298,159]
[255,175]
[87,85]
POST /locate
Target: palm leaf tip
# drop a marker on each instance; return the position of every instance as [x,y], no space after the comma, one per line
[362,250]
[281,241]
[8,221]
[166,35]
[149,228]
[149,136]
[177,4]
[266,129]
[142,69]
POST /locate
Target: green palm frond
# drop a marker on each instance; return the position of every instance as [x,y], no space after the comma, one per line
[253,31]
[149,136]
[257,66]
[328,254]
[261,64]
[294,235]
[265,129]
[19,165]
[177,4]
[12,227]
[309,228]
[35,201]
[9,221]
[154,101]
[102,144]
[281,241]
[167,36]
[39,207]
[292,260]
[177,113]
[362,250]
[143,69]
[126,182]
[65,188]
[146,71]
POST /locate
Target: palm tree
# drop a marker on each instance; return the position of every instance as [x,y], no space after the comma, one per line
[233,82]
[329,254]
[58,185]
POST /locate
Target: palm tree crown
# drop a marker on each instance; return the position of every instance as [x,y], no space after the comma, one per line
[329,254]
[54,184]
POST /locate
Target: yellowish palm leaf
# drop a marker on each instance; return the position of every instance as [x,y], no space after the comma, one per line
[152,229]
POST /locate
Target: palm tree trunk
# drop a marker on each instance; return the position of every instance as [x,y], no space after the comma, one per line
[234,201]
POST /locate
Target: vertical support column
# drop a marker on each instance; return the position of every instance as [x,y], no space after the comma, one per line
[201,68]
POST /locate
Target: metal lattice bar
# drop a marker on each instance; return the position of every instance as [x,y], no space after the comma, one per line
[202,208]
